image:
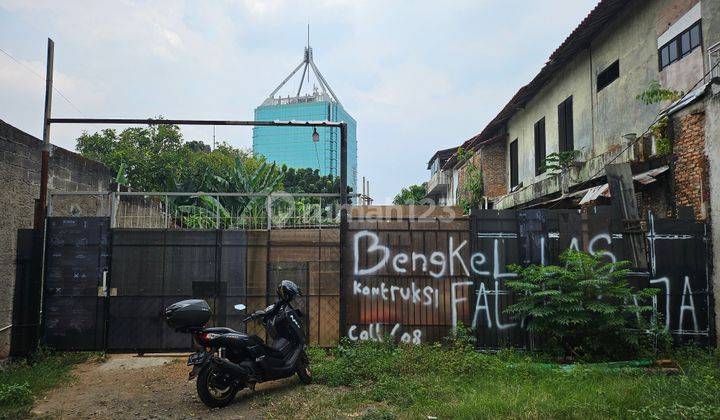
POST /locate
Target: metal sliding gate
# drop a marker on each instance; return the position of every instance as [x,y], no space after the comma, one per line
[106,288]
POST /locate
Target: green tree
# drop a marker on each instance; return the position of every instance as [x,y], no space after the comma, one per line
[158,159]
[149,154]
[413,194]
[308,180]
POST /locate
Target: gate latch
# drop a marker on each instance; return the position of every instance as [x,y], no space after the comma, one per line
[103,290]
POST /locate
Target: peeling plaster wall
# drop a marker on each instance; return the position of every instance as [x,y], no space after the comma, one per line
[712,148]
[600,119]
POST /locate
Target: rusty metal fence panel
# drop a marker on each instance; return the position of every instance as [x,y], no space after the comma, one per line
[416,278]
[401,281]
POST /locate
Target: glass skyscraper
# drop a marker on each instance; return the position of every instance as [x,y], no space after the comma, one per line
[294,146]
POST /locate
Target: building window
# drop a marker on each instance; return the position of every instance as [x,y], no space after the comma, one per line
[540,151]
[608,75]
[680,46]
[566,140]
[513,163]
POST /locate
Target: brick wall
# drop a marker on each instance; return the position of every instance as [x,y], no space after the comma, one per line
[690,167]
[475,159]
[20,175]
[494,169]
[491,160]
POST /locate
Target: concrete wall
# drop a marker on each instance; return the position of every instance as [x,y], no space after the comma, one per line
[600,119]
[20,175]
[573,81]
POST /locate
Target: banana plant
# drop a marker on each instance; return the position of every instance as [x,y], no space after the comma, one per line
[205,210]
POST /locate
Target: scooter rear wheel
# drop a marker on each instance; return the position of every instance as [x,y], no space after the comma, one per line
[210,392]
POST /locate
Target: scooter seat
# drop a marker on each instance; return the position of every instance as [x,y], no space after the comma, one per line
[221,330]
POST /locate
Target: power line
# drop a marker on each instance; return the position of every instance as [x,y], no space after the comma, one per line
[43,79]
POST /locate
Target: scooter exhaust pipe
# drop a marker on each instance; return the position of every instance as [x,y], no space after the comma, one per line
[238,371]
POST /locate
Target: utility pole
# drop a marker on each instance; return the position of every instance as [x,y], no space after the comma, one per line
[41,210]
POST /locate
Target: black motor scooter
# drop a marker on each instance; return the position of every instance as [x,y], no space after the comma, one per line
[228,360]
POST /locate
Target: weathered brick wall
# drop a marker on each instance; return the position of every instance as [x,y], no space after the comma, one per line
[712,149]
[491,160]
[20,175]
[690,167]
[494,169]
[462,175]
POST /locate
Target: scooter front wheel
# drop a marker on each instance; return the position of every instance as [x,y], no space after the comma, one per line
[212,389]
[303,370]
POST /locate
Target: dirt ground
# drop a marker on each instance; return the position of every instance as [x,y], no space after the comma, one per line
[128,386]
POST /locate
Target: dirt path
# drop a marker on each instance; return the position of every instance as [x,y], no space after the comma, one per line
[127,386]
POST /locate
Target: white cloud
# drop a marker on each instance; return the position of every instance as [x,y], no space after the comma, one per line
[417,76]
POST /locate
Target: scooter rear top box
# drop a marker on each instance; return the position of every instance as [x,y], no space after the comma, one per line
[192,313]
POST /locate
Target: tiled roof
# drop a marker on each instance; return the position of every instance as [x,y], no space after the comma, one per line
[579,39]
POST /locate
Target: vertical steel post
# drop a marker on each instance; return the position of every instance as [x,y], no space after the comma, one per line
[217,212]
[113,207]
[343,222]
[45,157]
[167,211]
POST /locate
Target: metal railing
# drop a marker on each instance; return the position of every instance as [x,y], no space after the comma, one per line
[199,210]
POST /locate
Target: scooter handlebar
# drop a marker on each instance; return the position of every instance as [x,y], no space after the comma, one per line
[253,316]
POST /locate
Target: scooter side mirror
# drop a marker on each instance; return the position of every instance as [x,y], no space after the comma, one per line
[240,307]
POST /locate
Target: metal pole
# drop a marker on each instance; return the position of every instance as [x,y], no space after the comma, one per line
[45,157]
[343,222]
[217,212]
[155,121]
[167,212]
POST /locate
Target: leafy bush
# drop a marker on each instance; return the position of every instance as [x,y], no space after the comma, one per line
[560,162]
[15,394]
[472,189]
[660,131]
[583,308]
[656,93]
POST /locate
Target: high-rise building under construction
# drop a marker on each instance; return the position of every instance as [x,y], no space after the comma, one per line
[296,147]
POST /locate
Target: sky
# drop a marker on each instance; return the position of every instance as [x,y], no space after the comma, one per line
[418,76]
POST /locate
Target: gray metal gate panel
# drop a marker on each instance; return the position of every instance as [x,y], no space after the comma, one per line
[76,257]
[155,268]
